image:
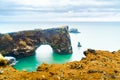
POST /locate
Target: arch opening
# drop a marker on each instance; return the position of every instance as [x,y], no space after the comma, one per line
[44,53]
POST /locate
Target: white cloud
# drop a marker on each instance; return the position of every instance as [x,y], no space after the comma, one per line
[59,10]
[55,3]
[36,3]
[60,17]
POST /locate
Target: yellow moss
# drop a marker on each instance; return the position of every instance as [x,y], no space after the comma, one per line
[98,65]
[23,43]
[29,33]
[8,37]
[1,57]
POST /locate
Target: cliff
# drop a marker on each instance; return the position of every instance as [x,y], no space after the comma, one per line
[97,65]
[24,43]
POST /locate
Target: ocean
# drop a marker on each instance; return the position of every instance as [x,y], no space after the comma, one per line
[94,35]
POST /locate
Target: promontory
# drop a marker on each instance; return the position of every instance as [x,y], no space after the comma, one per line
[23,43]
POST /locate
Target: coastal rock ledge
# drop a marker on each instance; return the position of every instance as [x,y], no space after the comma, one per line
[96,65]
[23,43]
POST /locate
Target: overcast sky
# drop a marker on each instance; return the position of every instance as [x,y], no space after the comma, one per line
[59,10]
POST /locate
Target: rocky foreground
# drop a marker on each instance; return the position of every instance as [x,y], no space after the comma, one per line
[97,65]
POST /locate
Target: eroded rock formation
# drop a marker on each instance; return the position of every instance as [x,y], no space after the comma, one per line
[24,43]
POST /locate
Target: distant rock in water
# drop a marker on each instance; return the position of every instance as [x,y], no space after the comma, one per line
[79,45]
[24,43]
[74,30]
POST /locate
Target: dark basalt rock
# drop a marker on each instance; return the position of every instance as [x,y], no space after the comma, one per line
[24,43]
[92,51]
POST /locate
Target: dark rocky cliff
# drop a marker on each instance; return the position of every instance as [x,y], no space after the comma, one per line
[24,43]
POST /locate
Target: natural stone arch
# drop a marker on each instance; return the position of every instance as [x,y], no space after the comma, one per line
[24,43]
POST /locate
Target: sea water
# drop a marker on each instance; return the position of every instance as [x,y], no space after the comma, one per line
[94,35]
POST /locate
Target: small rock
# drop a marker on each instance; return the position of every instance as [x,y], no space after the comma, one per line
[43,76]
[92,71]
[113,76]
[95,71]
[115,71]
[91,50]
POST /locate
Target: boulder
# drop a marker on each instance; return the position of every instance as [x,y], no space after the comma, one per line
[11,60]
[3,61]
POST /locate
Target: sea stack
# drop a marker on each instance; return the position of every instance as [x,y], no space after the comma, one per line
[24,43]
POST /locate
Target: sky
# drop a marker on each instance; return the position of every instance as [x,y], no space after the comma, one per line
[59,10]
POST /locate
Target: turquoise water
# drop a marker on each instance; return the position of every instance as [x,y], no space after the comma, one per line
[95,35]
[44,54]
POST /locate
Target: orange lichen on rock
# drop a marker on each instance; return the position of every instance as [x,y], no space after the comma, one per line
[97,65]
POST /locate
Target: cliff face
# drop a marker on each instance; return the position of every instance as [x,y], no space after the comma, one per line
[24,43]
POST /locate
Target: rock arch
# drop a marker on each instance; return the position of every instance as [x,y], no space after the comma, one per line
[24,43]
